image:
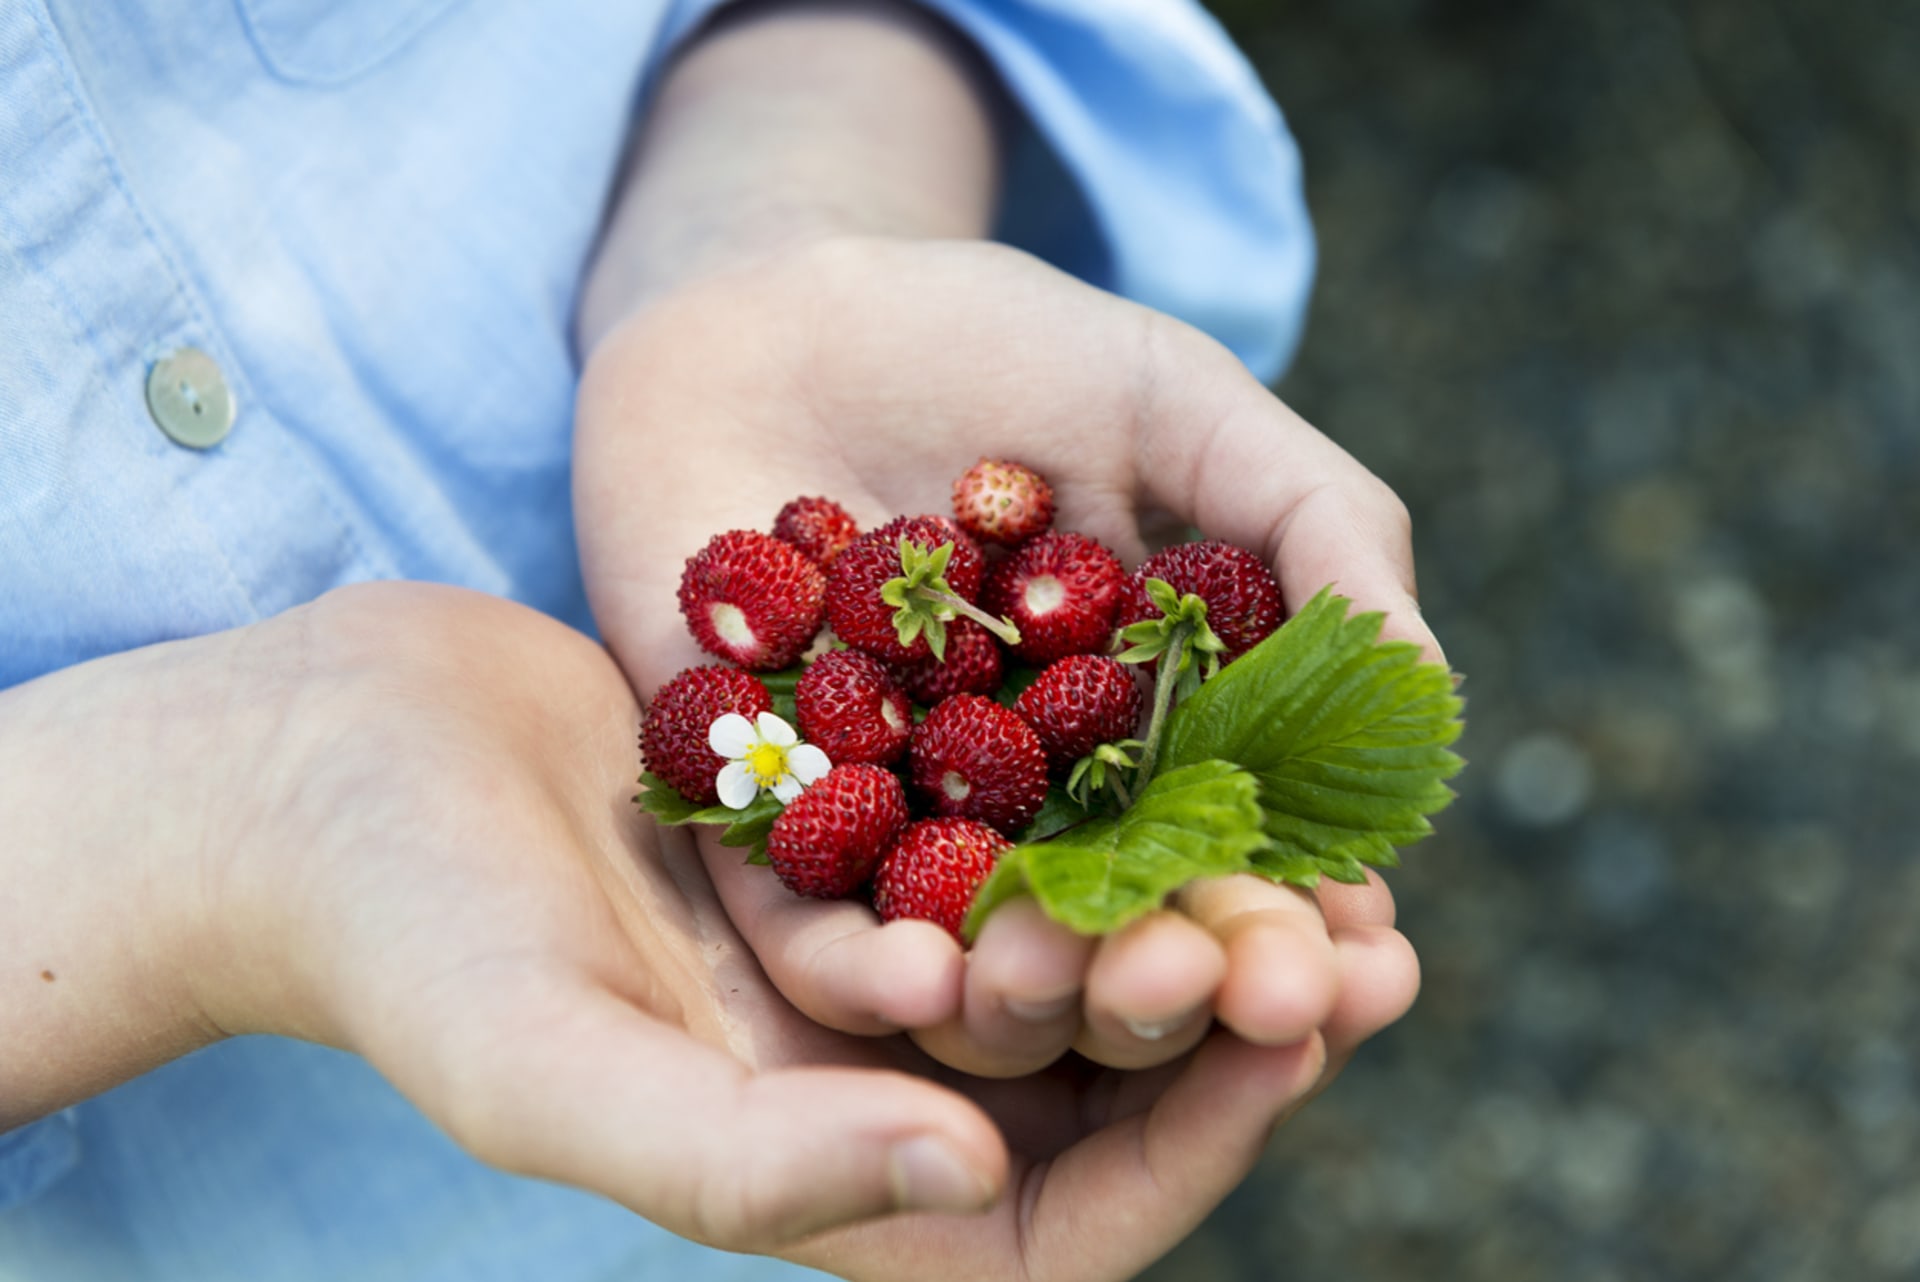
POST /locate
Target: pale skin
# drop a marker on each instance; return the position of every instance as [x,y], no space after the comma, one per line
[794,299]
[397,820]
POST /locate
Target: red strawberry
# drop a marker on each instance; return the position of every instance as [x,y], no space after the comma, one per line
[977,760]
[819,527]
[1061,591]
[852,708]
[972,666]
[858,615]
[1078,704]
[750,598]
[1243,598]
[673,736]
[1002,502]
[828,839]
[934,870]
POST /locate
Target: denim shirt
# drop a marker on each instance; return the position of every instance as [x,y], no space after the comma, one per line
[373,215]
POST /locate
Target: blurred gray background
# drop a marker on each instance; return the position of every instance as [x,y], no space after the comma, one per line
[1624,299]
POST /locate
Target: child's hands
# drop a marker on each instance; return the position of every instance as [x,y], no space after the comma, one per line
[397,821]
[874,372]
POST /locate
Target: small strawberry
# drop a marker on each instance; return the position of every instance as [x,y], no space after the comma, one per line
[925,595]
[974,759]
[934,870]
[852,707]
[750,598]
[972,666]
[1061,591]
[820,528]
[828,839]
[1078,704]
[673,736]
[1243,598]
[1002,502]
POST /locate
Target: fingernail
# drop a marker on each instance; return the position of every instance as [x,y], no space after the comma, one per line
[927,1175]
[1044,1011]
[1154,1030]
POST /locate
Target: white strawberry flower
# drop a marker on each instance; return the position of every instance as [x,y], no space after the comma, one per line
[764,753]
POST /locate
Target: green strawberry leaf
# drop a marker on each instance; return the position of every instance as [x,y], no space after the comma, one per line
[1058,813]
[1202,820]
[665,803]
[781,685]
[751,828]
[742,827]
[1348,736]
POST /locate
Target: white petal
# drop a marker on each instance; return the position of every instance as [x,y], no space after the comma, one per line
[807,763]
[775,731]
[731,735]
[787,789]
[736,785]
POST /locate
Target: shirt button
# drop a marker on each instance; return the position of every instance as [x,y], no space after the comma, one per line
[188,398]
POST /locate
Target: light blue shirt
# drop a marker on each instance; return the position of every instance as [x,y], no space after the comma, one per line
[373,215]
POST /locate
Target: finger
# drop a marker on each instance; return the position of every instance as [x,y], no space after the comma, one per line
[1379,980]
[1110,1204]
[1022,1000]
[833,959]
[1283,974]
[564,1081]
[1176,1140]
[1150,991]
[1215,445]
[1370,904]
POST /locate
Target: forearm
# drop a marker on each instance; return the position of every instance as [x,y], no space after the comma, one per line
[790,121]
[108,772]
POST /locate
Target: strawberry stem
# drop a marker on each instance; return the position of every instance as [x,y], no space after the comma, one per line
[924,601]
[1002,628]
[1165,678]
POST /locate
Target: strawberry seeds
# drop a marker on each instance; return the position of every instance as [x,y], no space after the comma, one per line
[973,664]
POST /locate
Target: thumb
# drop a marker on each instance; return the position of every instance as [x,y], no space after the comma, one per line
[595,1093]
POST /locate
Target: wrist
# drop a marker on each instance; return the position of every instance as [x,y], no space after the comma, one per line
[784,124]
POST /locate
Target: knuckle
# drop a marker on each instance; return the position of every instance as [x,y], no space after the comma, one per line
[1390,509]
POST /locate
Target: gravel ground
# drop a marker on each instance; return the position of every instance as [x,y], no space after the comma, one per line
[1624,299]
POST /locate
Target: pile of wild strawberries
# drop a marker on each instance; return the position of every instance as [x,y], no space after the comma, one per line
[929,613]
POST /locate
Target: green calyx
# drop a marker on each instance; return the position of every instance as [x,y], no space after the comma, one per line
[924,602]
[1180,632]
[1100,770]
[1185,651]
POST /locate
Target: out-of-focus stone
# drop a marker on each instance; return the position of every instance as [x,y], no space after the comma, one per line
[1543,779]
[1890,1232]
[1597,1160]
[1652,524]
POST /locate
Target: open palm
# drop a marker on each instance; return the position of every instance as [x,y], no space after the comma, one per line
[449,876]
[873,372]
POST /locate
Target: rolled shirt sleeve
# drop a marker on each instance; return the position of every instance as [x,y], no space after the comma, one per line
[1149,161]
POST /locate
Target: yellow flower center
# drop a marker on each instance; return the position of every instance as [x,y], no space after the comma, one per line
[768,762]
